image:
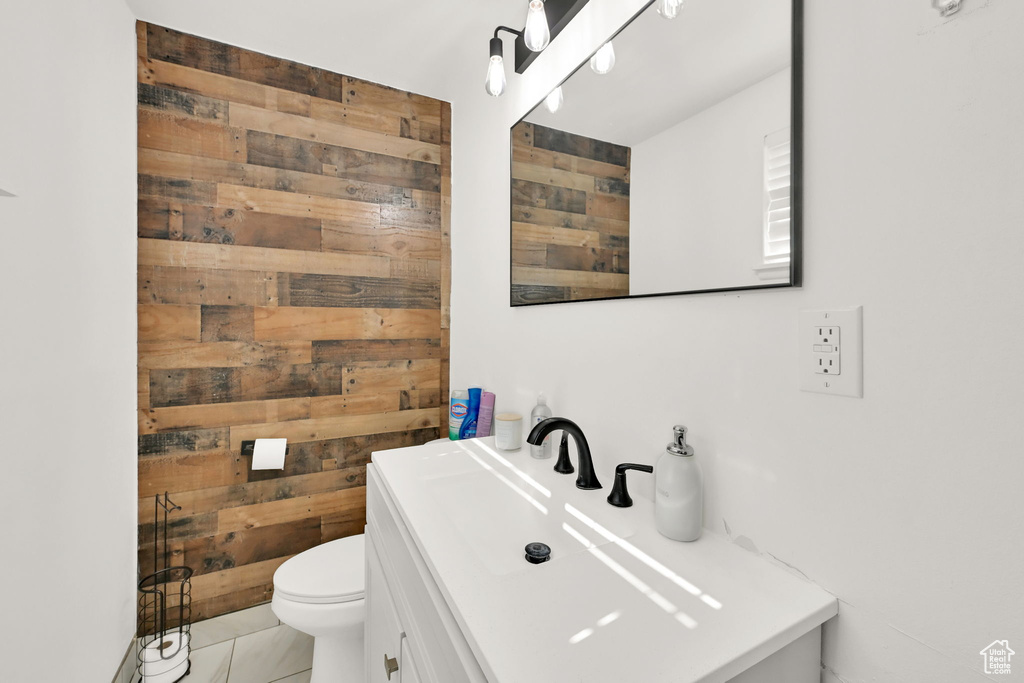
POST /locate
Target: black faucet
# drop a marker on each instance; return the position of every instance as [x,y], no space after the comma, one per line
[587,479]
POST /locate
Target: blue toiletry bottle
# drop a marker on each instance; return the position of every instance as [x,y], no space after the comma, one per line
[468,429]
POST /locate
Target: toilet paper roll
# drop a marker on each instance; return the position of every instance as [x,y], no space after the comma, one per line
[163,666]
[268,454]
[167,676]
[162,649]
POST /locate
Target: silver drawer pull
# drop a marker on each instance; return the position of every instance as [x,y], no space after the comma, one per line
[390,665]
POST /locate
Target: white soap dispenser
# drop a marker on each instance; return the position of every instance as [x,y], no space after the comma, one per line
[679,491]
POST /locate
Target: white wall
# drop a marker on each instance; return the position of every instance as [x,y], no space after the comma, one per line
[67,398]
[906,503]
[697,194]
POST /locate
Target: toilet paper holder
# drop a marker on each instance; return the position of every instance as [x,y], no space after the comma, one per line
[250,445]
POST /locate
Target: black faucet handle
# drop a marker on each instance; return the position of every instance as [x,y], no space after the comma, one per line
[563,465]
[619,497]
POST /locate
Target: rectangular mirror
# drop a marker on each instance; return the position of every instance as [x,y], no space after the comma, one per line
[675,172]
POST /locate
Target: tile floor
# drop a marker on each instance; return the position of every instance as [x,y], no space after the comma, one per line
[250,646]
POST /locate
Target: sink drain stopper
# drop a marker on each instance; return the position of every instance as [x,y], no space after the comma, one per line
[537,553]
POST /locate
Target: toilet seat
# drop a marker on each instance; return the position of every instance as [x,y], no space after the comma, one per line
[333,572]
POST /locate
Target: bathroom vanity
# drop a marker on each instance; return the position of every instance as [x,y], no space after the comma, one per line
[451,598]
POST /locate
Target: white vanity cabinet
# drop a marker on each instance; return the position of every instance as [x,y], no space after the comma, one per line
[406,616]
[450,598]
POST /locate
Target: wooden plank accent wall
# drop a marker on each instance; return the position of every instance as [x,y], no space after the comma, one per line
[570,216]
[294,279]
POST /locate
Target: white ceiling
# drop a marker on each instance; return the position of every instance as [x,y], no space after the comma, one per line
[667,71]
[429,47]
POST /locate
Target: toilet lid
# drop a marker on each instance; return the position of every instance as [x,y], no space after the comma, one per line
[331,572]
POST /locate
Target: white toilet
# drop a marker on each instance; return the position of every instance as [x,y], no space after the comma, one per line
[321,592]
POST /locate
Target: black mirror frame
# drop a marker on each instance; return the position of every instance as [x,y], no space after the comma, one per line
[796,116]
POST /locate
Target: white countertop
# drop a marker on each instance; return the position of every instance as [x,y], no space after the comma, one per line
[617,602]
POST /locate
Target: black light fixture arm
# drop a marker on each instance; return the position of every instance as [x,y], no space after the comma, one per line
[510,30]
[496,46]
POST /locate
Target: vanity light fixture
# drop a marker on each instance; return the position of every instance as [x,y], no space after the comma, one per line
[537,35]
[495,82]
[604,59]
[669,9]
[553,102]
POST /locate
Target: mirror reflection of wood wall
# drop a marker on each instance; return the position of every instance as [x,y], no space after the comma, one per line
[570,216]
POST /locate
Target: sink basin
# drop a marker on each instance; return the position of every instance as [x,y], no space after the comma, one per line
[536,508]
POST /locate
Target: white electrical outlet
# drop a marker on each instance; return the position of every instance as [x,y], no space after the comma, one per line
[831,358]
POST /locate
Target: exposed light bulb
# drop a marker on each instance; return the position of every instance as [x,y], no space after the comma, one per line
[536,35]
[553,101]
[495,83]
[669,9]
[604,59]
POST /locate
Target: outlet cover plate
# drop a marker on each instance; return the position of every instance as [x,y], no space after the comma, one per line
[848,355]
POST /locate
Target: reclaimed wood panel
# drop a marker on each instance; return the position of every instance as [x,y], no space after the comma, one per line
[293,281]
[570,217]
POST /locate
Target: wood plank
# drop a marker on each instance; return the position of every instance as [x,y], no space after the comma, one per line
[167,45]
[230,257]
[247,228]
[318,324]
[446,260]
[334,159]
[300,205]
[187,472]
[587,258]
[201,386]
[199,502]
[207,608]
[226,323]
[158,322]
[355,350]
[359,448]
[289,509]
[318,429]
[548,234]
[567,162]
[223,414]
[377,97]
[570,278]
[355,404]
[206,286]
[540,216]
[357,292]
[182,166]
[580,146]
[538,294]
[528,253]
[611,186]
[357,117]
[327,132]
[259,574]
[188,191]
[416,269]
[342,524]
[177,354]
[608,206]
[392,375]
[543,196]
[553,176]
[183,78]
[249,546]
[183,441]
[181,103]
[392,241]
[160,130]
[154,218]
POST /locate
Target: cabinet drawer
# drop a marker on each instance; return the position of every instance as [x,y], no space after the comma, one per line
[441,652]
